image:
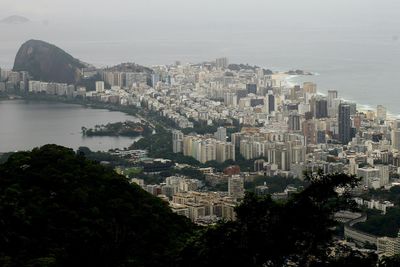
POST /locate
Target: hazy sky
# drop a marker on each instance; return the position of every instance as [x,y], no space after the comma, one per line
[353,44]
[292,12]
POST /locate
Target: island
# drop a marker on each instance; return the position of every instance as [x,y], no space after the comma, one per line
[127,128]
[298,72]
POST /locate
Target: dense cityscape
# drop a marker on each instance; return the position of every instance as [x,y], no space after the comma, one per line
[187,133]
[229,128]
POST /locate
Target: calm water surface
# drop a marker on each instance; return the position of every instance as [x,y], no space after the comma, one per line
[26,124]
[358,57]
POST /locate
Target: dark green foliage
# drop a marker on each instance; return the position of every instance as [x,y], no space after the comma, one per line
[345,256]
[59,209]
[219,187]
[192,173]
[99,156]
[268,233]
[390,261]
[4,157]
[382,224]
[130,67]
[275,183]
[160,178]
[47,62]
[268,72]
[370,246]
[90,83]
[158,120]
[200,129]
[298,72]
[244,164]
[159,145]
[151,178]
[393,194]
[203,128]
[127,128]
[237,67]
[189,172]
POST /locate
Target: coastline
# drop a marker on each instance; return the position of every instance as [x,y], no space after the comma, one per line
[290,81]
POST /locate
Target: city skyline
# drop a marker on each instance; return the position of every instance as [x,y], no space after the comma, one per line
[200,133]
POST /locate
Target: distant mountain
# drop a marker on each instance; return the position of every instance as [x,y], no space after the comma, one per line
[15,19]
[47,62]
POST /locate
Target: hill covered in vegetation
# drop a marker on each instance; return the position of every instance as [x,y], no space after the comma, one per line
[60,209]
[48,63]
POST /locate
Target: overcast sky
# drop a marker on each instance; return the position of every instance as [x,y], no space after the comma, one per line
[302,12]
[202,28]
[346,41]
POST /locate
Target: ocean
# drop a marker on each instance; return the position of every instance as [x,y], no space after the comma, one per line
[362,63]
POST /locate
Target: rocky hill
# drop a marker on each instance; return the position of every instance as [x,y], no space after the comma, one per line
[47,62]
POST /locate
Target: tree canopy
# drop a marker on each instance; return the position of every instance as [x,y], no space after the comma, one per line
[268,233]
[60,209]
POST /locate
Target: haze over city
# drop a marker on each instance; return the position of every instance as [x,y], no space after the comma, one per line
[353,45]
[175,133]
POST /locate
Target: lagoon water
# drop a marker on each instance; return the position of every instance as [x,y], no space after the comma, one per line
[26,124]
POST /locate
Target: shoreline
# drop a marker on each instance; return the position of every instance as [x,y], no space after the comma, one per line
[70,134]
[127,110]
[290,81]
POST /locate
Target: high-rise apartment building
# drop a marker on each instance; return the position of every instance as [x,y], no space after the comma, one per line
[353,108]
[206,149]
[396,139]
[332,103]
[294,122]
[251,88]
[220,134]
[383,175]
[381,113]
[271,103]
[368,175]
[344,122]
[321,108]
[221,63]
[309,132]
[309,87]
[396,125]
[236,187]
[99,86]
[224,151]
[230,99]
[177,141]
